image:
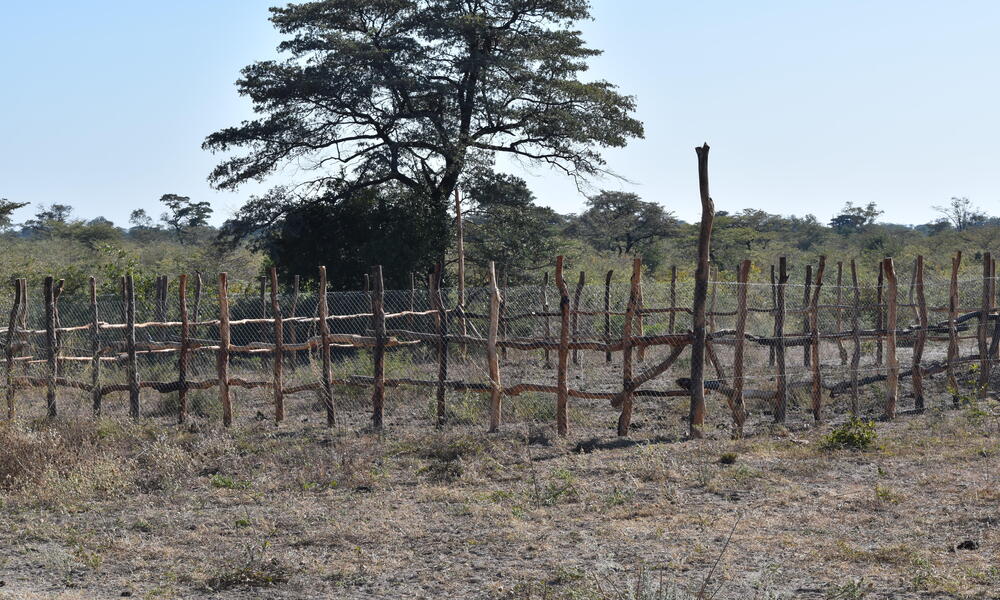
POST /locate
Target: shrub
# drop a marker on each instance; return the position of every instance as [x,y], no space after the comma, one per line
[856,434]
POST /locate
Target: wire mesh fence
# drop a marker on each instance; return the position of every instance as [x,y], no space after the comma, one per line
[836,345]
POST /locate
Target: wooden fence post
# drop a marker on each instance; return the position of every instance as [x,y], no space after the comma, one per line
[562,384]
[576,313]
[15,312]
[607,314]
[856,337]
[892,374]
[279,350]
[625,418]
[222,363]
[739,407]
[182,358]
[983,331]
[697,413]
[921,339]
[132,370]
[378,357]
[956,263]
[672,318]
[491,352]
[95,349]
[50,346]
[324,334]
[441,324]
[817,382]
[548,325]
[781,402]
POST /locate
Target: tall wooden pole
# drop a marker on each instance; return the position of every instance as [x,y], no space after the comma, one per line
[545,319]
[491,352]
[323,309]
[625,418]
[279,350]
[562,379]
[892,374]
[222,359]
[781,402]
[921,339]
[183,356]
[956,264]
[817,383]
[378,356]
[856,338]
[697,413]
[879,314]
[607,314]
[806,354]
[739,407]
[132,370]
[50,346]
[95,349]
[12,339]
[576,313]
[460,247]
[441,324]
[983,330]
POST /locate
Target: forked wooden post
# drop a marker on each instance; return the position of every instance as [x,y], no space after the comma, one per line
[892,372]
[983,330]
[222,359]
[628,341]
[956,264]
[378,356]
[817,382]
[697,412]
[9,353]
[856,337]
[441,324]
[491,352]
[50,346]
[184,355]
[562,375]
[132,369]
[781,401]
[548,324]
[279,350]
[576,313]
[739,407]
[607,314]
[921,338]
[95,349]
[326,391]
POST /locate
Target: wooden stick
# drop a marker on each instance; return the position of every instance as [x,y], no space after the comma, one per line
[956,263]
[222,363]
[50,346]
[491,352]
[326,391]
[185,352]
[879,314]
[983,329]
[548,325]
[739,407]
[625,418]
[576,308]
[673,297]
[918,345]
[441,323]
[95,349]
[855,329]
[15,313]
[781,403]
[607,314]
[817,382]
[841,350]
[806,354]
[697,413]
[378,356]
[132,369]
[892,382]
[279,351]
[562,395]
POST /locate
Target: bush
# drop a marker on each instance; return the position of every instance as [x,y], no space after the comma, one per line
[856,434]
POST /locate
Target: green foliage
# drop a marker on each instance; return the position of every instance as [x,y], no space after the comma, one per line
[182,215]
[623,223]
[855,434]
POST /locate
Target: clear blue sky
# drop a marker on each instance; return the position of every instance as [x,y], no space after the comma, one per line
[807,105]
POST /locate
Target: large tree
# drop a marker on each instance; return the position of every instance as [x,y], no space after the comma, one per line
[623,223]
[413,93]
[183,215]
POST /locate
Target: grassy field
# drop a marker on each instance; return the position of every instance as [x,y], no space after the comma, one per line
[107,508]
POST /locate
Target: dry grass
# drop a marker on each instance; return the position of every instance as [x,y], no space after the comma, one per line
[94,509]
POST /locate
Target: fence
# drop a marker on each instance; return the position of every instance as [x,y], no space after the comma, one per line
[586,355]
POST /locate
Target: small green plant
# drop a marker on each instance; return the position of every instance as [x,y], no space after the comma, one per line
[228,483]
[728,458]
[856,434]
